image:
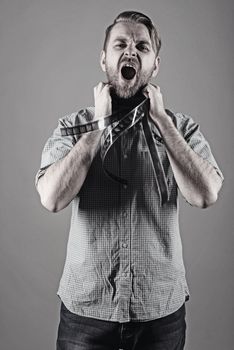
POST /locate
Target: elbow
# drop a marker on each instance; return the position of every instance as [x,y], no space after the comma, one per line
[202,200]
[53,205]
[50,208]
[208,196]
[49,204]
[207,200]
[48,199]
[212,193]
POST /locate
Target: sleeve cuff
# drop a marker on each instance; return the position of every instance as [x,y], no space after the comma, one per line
[39,174]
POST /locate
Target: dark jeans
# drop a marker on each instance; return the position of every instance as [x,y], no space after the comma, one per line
[85,333]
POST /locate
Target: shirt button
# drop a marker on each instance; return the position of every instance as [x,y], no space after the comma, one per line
[125,214]
[125,186]
[125,156]
[124,245]
[124,274]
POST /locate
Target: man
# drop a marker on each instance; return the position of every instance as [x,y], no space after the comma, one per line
[124,284]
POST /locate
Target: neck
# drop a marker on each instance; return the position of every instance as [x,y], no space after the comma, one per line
[125,105]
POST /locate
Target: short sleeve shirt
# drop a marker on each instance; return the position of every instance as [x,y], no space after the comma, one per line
[124,253]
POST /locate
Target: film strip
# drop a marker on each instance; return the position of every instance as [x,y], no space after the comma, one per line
[114,126]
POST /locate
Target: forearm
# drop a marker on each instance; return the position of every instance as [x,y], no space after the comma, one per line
[63,180]
[197,179]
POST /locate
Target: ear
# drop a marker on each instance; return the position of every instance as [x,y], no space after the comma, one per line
[103,60]
[156,66]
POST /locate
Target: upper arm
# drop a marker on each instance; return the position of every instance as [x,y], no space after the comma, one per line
[57,146]
[197,141]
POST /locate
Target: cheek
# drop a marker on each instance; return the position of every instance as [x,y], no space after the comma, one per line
[112,60]
[148,62]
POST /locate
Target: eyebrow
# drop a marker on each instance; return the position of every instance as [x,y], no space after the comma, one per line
[145,42]
[120,38]
[123,39]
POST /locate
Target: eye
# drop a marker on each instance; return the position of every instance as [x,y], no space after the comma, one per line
[120,45]
[143,47]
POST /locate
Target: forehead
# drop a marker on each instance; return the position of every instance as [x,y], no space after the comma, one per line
[130,30]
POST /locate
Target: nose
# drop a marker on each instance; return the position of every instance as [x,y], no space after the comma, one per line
[130,51]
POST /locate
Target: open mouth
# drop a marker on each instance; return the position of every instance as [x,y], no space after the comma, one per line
[128,72]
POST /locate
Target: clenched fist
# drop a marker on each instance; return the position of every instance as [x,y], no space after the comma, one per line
[102,100]
[157,110]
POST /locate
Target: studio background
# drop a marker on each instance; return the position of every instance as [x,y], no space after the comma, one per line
[49,64]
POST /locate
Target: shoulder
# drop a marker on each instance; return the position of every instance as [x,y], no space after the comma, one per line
[183,122]
[180,119]
[80,117]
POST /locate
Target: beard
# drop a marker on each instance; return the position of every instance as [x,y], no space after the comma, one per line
[127,88]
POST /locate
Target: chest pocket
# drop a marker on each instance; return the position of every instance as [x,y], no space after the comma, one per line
[157,139]
[161,148]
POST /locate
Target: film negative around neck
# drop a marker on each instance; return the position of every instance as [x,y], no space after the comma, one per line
[117,124]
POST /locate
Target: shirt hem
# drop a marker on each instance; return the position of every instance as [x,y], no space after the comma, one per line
[68,306]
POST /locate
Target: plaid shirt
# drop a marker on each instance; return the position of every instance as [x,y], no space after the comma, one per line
[124,254]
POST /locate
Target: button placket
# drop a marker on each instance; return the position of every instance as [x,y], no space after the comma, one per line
[125,284]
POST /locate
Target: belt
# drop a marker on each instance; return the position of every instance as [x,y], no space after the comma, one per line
[114,126]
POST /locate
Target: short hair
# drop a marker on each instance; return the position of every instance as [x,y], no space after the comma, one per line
[137,17]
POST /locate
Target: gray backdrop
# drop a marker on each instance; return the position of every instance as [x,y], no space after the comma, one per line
[49,66]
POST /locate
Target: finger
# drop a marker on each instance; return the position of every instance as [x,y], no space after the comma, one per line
[95,89]
[156,87]
[98,89]
[149,90]
[145,89]
[100,86]
[95,92]
[107,88]
[145,93]
[106,85]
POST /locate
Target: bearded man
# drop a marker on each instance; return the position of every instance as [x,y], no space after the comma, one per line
[123,284]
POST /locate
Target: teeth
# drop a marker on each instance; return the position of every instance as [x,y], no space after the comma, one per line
[129,65]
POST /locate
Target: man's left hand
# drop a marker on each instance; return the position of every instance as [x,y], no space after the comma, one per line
[157,110]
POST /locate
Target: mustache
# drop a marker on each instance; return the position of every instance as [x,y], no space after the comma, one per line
[134,61]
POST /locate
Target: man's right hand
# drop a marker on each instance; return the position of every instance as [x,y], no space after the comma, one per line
[102,100]
[63,179]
